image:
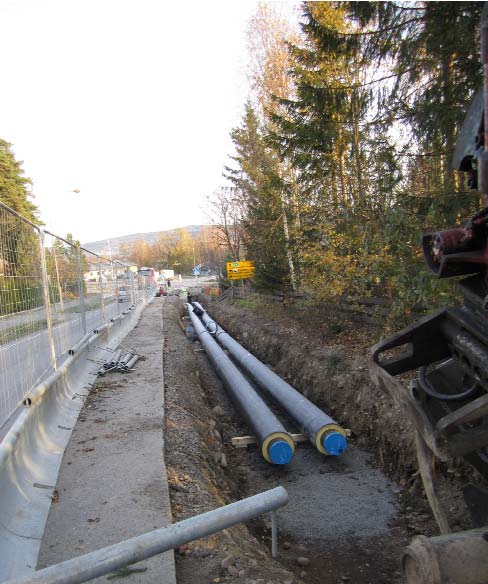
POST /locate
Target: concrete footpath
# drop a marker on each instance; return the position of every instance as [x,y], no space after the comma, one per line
[112,483]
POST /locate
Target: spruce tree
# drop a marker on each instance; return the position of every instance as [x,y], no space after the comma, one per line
[258,186]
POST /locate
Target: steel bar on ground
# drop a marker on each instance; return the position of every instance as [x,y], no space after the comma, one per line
[324,432]
[116,357]
[276,444]
[274,535]
[126,358]
[108,559]
[133,360]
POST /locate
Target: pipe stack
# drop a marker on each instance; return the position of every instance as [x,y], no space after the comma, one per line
[121,361]
[324,433]
[276,444]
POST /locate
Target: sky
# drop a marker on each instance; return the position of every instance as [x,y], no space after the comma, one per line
[129,102]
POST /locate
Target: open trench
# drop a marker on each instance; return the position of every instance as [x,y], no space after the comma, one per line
[346,520]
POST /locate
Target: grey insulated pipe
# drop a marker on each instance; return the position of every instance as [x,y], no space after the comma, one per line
[276,444]
[324,433]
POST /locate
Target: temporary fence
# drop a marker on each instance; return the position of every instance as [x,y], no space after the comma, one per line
[53,293]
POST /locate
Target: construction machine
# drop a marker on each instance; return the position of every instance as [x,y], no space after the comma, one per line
[436,369]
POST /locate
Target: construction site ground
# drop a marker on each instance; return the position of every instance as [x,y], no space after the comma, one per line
[343,522]
[348,518]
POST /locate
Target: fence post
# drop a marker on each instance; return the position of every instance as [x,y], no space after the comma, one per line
[81,288]
[130,275]
[115,286]
[100,285]
[60,292]
[47,303]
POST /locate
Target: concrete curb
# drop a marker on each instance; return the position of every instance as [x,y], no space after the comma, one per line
[32,450]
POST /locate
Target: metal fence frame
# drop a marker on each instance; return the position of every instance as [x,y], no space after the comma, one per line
[47,307]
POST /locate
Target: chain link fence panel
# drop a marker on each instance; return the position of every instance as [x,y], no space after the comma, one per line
[26,353]
[52,294]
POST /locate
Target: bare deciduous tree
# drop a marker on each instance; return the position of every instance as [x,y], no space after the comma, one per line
[225,213]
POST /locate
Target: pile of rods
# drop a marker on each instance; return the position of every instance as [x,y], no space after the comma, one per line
[121,361]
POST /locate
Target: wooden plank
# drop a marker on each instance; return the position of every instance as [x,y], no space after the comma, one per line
[245,441]
[426,467]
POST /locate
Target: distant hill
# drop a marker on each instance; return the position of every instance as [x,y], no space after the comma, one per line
[102,247]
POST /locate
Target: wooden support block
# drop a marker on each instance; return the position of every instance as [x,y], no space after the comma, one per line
[244,441]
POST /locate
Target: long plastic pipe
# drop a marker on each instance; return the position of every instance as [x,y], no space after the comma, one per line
[108,559]
[277,446]
[327,436]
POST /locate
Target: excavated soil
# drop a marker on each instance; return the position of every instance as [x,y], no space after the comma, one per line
[348,518]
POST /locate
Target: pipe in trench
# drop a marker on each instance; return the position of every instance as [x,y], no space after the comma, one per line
[276,444]
[324,433]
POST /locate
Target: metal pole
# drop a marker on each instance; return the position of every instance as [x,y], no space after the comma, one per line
[47,303]
[130,274]
[81,289]
[274,535]
[60,292]
[108,559]
[102,303]
[133,360]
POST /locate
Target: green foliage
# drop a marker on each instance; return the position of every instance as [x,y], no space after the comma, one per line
[348,170]
[259,187]
[373,158]
[14,186]
[19,294]
[246,303]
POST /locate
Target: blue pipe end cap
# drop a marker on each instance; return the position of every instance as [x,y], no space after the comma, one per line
[280,452]
[334,443]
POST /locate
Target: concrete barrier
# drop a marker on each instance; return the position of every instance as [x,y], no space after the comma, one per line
[32,450]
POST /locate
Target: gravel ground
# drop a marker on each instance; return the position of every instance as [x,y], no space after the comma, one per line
[336,499]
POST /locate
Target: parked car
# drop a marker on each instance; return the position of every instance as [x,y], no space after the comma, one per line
[123,294]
